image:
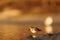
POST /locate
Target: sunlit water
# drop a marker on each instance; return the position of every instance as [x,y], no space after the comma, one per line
[20,31]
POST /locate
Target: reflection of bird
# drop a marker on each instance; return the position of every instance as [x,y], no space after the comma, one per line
[34,29]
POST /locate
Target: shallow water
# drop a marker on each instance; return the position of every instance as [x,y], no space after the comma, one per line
[21,30]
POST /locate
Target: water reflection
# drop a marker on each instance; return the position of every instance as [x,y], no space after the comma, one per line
[19,31]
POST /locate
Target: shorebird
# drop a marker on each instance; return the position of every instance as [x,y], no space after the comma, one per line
[34,29]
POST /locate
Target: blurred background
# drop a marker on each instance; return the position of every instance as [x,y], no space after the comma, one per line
[16,16]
